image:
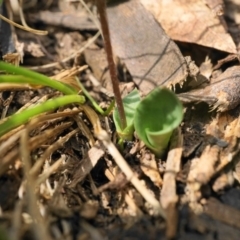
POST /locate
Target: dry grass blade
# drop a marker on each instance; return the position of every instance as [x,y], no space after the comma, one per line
[16,87]
[93,17]
[56,145]
[85,130]
[13,58]
[34,142]
[54,118]
[39,227]
[16,221]
[53,168]
[38,32]
[68,76]
[6,105]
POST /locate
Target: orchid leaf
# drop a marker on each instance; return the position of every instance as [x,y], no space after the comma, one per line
[156,116]
[130,103]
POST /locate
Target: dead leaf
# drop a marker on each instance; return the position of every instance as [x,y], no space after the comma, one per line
[226,128]
[229,58]
[232,12]
[79,22]
[97,60]
[151,57]
[216,5]
[34,49]
[191,21]
[223,92]
[206,68]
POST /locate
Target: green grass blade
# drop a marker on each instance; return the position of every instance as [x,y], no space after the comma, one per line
[21,118]
[94,103]
[86,93]
[28,76]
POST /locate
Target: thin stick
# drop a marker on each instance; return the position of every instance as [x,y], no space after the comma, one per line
[101,6]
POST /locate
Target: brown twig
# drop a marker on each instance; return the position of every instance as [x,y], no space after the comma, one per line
[101,6]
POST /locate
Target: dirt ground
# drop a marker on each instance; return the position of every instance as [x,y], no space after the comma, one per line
[71,186]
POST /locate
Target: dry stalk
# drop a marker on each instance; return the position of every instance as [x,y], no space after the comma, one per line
[33,143]
[39,227]
[101,6]
[56,145]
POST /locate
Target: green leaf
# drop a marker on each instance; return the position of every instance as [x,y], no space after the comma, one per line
[130,103]
[157,115]
[28,76]
[20,118]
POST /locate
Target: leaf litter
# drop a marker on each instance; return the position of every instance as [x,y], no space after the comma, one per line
[57,180]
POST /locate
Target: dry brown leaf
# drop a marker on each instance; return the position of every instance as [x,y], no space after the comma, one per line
[232,13]
[68,20]
[34,49]
[151,57]
[223,92]
[206,68]
[97,60]
[191,21]
[226,127]
[217,6]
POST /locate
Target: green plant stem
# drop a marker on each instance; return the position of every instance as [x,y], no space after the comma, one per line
[21,118]
[94,103]
[101,6]
[28,76]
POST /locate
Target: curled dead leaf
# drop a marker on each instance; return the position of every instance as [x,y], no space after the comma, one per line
[223,93]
